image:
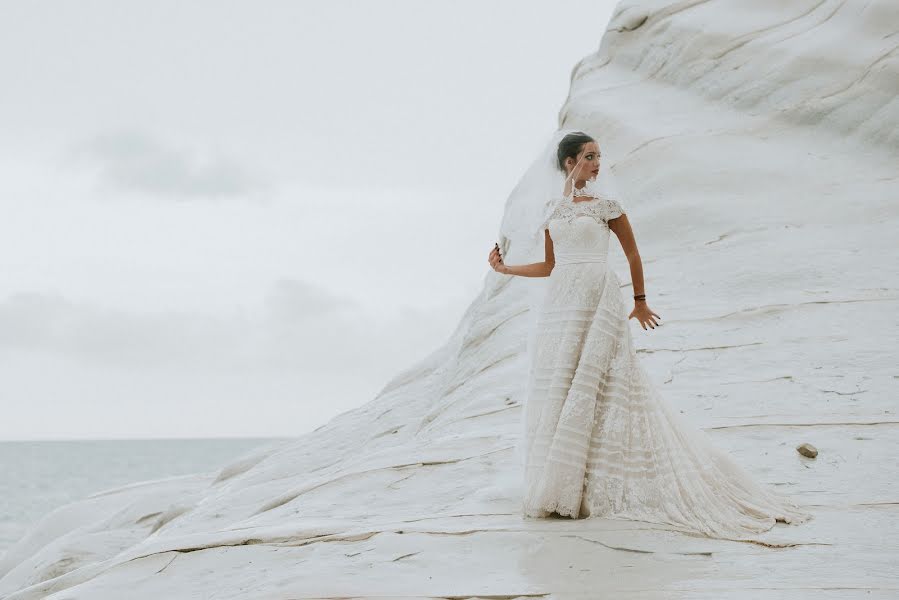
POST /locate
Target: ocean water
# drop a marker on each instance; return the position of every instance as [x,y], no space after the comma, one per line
[37,477]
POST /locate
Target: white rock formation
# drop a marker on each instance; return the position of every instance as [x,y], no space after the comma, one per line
[757,147]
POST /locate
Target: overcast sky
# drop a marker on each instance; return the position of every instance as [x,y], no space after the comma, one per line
[243,218]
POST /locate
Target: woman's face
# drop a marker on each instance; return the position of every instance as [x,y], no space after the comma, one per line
[589,158]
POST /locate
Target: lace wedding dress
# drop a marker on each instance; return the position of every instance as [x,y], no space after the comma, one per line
[599,439]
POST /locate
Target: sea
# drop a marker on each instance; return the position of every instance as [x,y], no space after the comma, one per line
[39,476]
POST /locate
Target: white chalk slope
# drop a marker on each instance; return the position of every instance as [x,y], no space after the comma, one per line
[757,148]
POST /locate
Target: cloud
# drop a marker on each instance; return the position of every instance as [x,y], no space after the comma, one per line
[295,301]
[300,327]
[50,322]
[137,162]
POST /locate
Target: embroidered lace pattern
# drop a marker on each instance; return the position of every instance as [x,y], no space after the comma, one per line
[593,202]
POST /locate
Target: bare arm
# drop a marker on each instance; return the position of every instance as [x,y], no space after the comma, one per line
[622,228]
[537,269]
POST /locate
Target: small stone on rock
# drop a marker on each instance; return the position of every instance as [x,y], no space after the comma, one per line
[807,449]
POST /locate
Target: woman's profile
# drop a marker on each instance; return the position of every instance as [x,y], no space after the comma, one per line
[598,439]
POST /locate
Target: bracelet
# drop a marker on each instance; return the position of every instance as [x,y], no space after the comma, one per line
[640,297]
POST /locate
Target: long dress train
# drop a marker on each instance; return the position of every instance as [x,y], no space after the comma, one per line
[599,440]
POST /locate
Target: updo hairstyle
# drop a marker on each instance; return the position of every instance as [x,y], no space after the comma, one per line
[570,146]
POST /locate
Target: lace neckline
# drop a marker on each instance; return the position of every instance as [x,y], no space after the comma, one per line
[585,193]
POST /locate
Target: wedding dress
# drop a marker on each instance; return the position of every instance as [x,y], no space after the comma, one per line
[599,439]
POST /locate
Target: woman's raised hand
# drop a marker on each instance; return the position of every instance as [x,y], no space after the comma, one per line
[496,260]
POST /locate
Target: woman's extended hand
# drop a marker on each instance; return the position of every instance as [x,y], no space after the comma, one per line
[644,315]
[496,260]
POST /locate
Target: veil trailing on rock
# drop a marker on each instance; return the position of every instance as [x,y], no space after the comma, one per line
[527,210]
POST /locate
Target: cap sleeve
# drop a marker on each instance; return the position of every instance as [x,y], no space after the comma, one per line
[613,208]
[545,223]
[550,213]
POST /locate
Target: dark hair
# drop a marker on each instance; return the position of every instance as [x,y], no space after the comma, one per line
[571,145]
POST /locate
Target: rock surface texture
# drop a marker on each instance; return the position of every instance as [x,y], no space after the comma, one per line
[756,145]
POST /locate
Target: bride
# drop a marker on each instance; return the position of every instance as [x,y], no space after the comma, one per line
[597,438]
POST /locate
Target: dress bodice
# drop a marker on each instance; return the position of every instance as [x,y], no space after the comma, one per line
[580,230]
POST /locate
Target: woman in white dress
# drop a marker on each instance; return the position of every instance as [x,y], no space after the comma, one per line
[599,441]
